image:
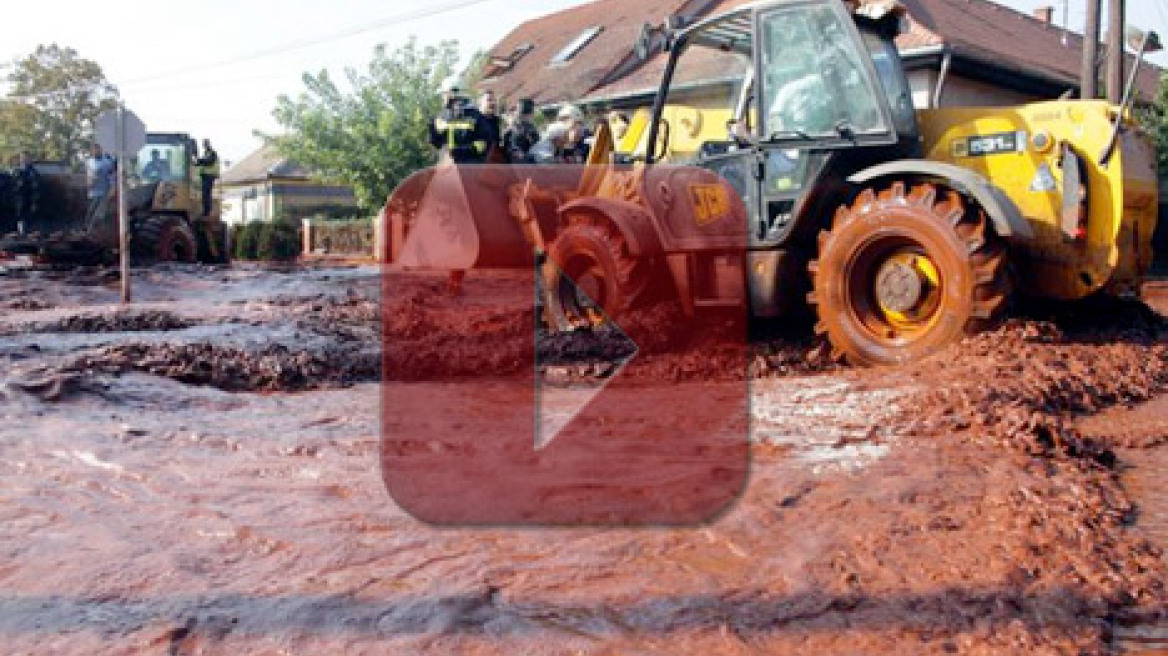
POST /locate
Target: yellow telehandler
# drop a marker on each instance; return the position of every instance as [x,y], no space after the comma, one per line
[817,182]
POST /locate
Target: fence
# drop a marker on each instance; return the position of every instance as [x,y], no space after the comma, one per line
[352,238]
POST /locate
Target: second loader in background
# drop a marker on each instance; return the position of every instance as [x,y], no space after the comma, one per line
[164,201]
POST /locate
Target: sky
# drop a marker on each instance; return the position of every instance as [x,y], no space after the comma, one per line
[214,68]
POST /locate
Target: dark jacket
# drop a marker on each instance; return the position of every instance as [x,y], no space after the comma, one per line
[462,132]
[494,128]
[27,181]
[519,141]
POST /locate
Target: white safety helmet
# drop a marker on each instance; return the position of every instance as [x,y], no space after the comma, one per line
[451,85]
[570,113]
[556,131]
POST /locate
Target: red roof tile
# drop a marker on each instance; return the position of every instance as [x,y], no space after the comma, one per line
[979,29]
[985,29]
[533,75]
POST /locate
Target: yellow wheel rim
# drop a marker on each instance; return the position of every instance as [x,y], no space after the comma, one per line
[908,291]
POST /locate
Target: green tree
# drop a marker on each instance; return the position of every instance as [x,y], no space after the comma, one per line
[374,133]
[54,98]
[1155,121]
[476,72]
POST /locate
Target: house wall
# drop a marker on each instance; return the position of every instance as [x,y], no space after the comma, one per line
[287,201]
[296,201]
[245,203]
[962,92]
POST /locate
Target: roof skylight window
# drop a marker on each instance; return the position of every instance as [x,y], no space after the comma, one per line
[572,49]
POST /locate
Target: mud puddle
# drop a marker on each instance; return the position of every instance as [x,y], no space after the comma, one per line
[1140,434]
[852,420]
[956,507]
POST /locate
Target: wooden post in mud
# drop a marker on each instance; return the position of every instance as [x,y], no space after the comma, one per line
[123,215]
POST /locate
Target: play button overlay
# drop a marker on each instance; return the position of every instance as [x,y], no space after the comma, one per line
[491,416]
[569,379]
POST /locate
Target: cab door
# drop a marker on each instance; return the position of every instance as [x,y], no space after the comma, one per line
[818,95]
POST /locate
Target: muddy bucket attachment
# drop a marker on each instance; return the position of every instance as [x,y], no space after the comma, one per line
[459,217]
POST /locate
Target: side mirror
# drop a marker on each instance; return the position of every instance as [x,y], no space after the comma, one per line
[644,45]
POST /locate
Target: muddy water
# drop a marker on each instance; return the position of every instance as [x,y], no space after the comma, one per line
[1141,433]
[141,513]
[1148,482]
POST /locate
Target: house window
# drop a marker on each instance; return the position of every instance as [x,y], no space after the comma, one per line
[572,49]
[510,60]
[498,65]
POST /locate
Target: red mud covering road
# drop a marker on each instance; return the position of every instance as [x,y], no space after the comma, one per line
[979,503]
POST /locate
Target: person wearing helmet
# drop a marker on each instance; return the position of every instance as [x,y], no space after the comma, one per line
[570,114]
[460,132]
[462,136]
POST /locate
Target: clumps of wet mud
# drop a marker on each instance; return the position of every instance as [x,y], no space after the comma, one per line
[1018,391]
[45,384]
[671,347]
[433,337]
[429,335]
[351,318]
[274,369]
[1098,319]
[27,305]
[128,321]
[602,344]
[1028,368]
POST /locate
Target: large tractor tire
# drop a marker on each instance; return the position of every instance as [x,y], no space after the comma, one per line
[595,276]
[163,238]
[905,272]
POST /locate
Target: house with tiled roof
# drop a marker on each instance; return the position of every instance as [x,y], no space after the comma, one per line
[956,52]
[266,186]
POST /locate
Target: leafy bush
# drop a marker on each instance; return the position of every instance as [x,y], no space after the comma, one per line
[246,239]
[278,242]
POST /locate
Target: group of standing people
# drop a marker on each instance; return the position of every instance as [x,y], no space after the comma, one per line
[466,133]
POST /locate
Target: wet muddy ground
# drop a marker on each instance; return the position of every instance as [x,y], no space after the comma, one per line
[199,475]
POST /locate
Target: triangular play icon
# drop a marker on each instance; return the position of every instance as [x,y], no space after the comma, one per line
[572,368]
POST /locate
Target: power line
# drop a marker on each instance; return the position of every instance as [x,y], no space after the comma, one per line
[149,90]
[314,41]
[259,54]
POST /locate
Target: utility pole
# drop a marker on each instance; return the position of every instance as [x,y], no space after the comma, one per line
[1115,51]
[123,214]
[1090,72]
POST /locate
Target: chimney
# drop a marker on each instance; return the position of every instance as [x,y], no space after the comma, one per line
[1045,14]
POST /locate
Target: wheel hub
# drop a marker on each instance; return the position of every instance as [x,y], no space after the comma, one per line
[900,286]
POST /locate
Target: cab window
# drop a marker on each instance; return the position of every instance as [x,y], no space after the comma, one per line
[162,160]
[890,70]
[814,80]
